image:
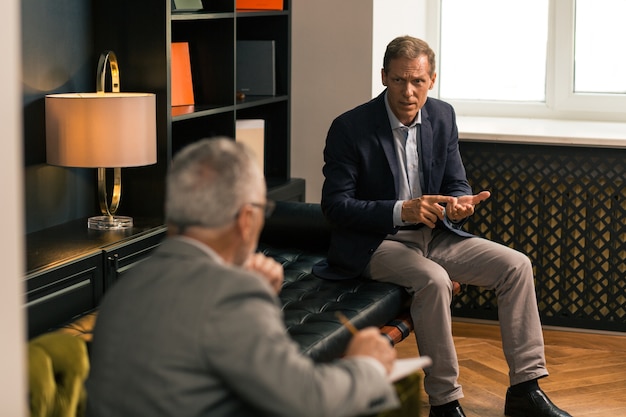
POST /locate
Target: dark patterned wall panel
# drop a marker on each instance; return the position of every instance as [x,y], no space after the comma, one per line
[565,207]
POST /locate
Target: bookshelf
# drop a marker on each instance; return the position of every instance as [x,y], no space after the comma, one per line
[142,35]
[69,268]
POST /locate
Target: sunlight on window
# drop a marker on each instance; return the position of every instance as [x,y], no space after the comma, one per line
[600,63]
[493,50]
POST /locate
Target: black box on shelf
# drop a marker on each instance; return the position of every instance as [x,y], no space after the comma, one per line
[256,67]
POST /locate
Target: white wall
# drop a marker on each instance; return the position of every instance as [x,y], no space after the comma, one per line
[331,57]
[337,49]
[394,18]
[12,349]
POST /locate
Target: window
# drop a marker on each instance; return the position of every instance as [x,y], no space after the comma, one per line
[531,58]
[484,58]
[593,74]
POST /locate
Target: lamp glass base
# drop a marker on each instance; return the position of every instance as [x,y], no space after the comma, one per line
[109,222]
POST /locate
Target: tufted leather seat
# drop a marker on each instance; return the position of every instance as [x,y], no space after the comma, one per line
[297,236]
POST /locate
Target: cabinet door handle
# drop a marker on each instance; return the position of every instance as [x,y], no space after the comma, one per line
[113,266]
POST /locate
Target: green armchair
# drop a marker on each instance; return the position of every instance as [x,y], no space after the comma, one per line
[58,365]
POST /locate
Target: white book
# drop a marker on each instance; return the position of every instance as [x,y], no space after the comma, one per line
[251,132]
[405,367]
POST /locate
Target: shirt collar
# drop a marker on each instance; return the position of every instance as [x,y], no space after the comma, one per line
[204,248]
[393,120]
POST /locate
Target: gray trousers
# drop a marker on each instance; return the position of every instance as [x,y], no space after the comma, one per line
[424,261]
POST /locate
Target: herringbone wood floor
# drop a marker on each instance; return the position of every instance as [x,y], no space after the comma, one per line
[587,371]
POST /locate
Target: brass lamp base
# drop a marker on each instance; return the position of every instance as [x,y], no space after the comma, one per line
[109,222]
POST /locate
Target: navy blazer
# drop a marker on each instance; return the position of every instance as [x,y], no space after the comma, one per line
[361,179]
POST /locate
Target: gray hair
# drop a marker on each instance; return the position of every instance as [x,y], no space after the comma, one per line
[409,47]
[208,182]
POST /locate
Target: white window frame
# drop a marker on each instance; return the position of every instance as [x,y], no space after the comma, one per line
[561,102]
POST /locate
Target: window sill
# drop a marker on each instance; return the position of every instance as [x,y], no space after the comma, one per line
[542,131]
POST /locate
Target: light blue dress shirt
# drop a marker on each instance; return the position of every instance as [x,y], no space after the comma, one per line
[405,144]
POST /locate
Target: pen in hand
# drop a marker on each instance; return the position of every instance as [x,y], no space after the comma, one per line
[344,320]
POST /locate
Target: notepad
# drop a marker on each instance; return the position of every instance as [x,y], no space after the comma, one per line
[406,366]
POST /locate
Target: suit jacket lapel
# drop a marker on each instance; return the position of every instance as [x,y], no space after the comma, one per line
[425,149]
[385,137]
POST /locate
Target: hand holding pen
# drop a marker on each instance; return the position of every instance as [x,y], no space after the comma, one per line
[369,342]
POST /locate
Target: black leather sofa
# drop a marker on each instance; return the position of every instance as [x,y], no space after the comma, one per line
[297,235]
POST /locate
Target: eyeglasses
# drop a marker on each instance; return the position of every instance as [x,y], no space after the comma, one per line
[268,207]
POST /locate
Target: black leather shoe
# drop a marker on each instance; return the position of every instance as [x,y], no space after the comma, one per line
[532,404]
[456,412]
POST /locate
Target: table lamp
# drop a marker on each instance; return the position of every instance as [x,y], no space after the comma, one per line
[102,130]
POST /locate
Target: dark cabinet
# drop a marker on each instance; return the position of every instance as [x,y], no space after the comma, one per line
[69,268]
[124,255]
[55,295]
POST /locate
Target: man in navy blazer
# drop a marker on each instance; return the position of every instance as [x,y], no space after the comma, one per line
[359,196]
[396,195]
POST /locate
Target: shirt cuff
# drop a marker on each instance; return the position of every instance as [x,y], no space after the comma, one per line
[397,214]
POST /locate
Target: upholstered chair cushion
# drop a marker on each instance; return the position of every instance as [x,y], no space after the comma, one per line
[58,366]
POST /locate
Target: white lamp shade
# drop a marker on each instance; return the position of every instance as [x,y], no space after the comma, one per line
[101,130]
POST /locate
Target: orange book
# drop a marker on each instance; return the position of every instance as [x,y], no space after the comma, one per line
[182,86]
[260,4]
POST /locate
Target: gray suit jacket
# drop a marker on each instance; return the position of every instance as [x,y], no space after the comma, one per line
[184,335]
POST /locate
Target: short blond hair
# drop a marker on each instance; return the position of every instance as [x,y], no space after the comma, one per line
[409,47]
